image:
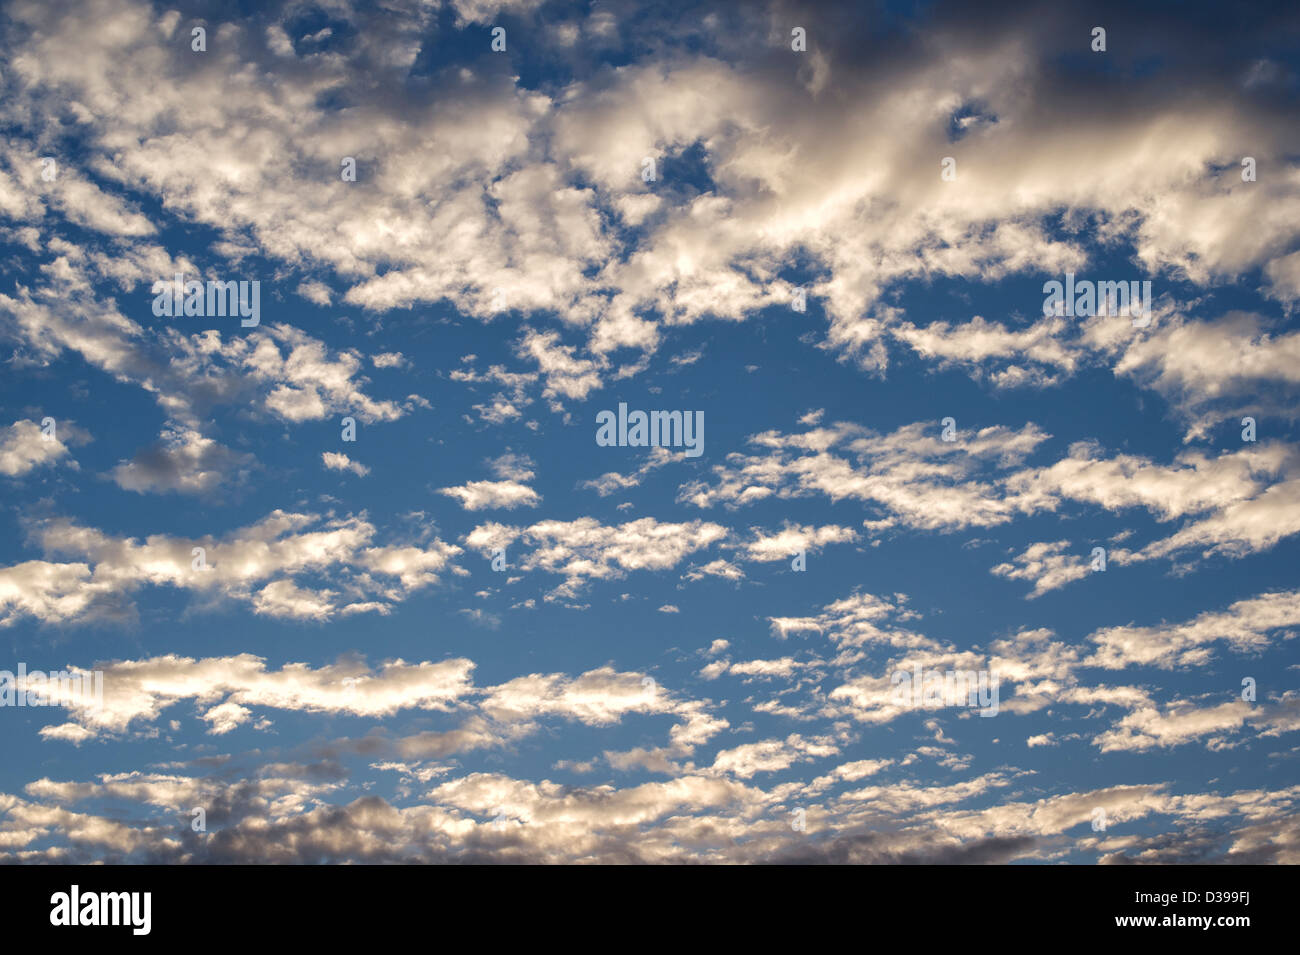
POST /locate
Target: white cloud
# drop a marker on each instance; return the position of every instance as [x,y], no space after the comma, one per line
[793,539]
[1048,564]
[256,565]
[24,446]
[341,462]
[1245,627]
[184,461]
[484,495]
[584,549]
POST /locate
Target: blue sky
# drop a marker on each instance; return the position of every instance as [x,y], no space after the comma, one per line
[650,678]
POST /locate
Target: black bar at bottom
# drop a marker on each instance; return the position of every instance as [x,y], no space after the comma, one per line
[330,904]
